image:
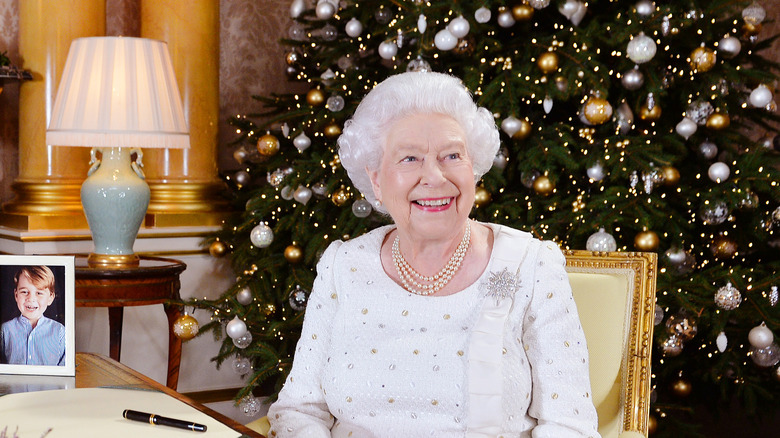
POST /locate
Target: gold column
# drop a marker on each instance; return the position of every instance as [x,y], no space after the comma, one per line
[185,185]
[50,177]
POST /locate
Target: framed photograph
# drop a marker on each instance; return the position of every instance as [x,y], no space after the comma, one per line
[37,298]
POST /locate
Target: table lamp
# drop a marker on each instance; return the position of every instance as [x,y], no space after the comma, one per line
[117,94]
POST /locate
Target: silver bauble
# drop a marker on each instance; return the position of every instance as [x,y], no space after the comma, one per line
[632,79]
[528,178]
[708,150]
[325,10]
[361,208]
[624,119]
[761,336]
[672,346]
[699,111]
[353,28]
[241,365]
[766,357]
[761,96]
[236,328]
[243,341]
[296,8]
[754,14]
[298,299]
[244,296]
[482,15]
[501,159]
[728,297]
[329,32]
[387,49]
[286,193]
[539,4]
[719,172]
[641,48]
[459,27]
[261,236]
[302,194]
[383,15]
[658,315]
[319,189]
[596,172]
[297,32]
[445,40]
[729,47]
[335,103]
[601,241]
[686,128]
[242,177]
[645,8]
[505,19]
[301,142]
[680,260]
[418,64]
[250,405]
[714,213]
[511,125]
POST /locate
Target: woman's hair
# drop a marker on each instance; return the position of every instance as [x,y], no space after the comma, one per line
[363,139]
[40,276]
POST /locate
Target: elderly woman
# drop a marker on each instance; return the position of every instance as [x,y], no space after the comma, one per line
[437,325]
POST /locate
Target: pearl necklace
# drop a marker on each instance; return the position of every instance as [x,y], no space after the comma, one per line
[432,284]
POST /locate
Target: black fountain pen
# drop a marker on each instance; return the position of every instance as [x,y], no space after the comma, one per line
[162,421]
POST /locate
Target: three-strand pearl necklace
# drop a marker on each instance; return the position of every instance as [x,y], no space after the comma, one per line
[419,284]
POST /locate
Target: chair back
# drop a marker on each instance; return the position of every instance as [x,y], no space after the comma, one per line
[615,296]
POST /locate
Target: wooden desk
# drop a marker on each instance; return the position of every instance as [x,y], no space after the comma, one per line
[93,370]
[154,281]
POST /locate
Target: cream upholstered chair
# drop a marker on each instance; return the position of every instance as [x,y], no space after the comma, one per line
[615,296]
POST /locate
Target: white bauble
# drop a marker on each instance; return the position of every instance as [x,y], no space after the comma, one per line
[645,8]
[601,241]
[422,23]
[296,8]
[624,118]
[388,49]
[596,172]
[539,4]
[754,14]
[459,27]
[286,193]
[511,125]
[301,142]
[722,342]
[235,328]
[325,10]
[353,28]
[573,10]
[505,19]
[729,47]
[261,236]
[641,48]
[244,296]
[719,172]
[547,104]
[686,128]
[482,15]
[242,177]
[302,194]
[361,208]
[445,40]
[761,96]
[708,150]
[632,79]
[761,336]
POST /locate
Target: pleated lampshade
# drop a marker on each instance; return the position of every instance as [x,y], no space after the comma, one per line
[118,92]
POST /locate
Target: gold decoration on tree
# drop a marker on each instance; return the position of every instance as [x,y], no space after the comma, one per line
[269,309]
[217,249]
[186,327]
[332,130]
[751,29]
[543,185]
[650,114]
[293,253]
[547,62]
[682,388]
[646,241]
[723,247]
[522,12]
[315,97]
[268,145]
[671,175]
[340,196]
[718,121]
[524,131]
[597,110]
[652,424]
[481,197]
[702,59]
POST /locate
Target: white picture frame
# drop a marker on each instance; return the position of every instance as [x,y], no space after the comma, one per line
[60,310]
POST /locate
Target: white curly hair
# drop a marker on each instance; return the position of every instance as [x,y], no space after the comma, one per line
[362,141]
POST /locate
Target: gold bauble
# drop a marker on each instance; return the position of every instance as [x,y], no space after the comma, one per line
[646,241]
[597,110]
[332,130]
[681,388]
[543,185]
[481,197]
[292,58]
[269,309]
[750,29]
[466,46]
[671,175]
[650,115]
[268,145]
[185,327]
[652,424]
[315,97]
[522,12]
[524,131]
[217,249]
[547,62]
[340,197]
[702,59]
[718,121]
[293,254]
[723,247]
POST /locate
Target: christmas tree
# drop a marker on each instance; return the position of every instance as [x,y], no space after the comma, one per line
[626,125]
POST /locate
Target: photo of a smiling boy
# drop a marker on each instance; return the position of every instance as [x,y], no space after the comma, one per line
[32,338]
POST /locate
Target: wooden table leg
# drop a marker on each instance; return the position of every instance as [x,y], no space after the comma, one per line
[115,316]
[174,346]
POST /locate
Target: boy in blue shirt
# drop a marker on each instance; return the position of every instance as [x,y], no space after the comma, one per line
[31,338]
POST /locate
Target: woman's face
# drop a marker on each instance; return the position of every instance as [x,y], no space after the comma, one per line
[425,179]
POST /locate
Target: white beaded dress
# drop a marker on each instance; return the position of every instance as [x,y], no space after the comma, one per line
[504,357]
